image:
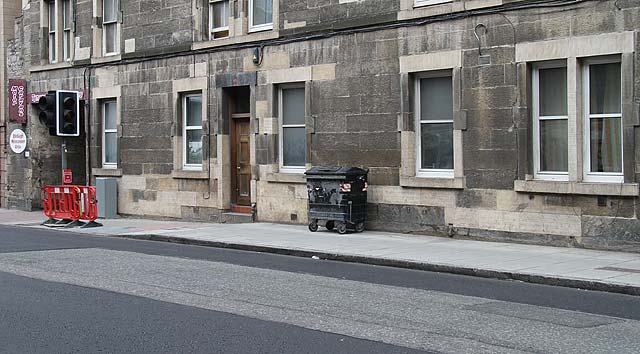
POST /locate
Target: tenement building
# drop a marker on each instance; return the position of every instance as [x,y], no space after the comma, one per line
[487,119]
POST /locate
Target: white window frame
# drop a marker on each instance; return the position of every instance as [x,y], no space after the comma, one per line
[282,126]
[52,38]
[420,3]
[262,27]
[114,23]
[535,98]
[186,128]
[67,32]
[212,29]
[105,131]
[421,172]
[588,175]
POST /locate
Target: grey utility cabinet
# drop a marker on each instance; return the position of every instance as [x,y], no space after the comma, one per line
[107,194]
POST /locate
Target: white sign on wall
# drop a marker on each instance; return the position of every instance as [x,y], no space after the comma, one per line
[18,141]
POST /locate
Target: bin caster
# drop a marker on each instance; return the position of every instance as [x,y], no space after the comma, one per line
[329,225]
[313,226]
[342,228]
[360,227]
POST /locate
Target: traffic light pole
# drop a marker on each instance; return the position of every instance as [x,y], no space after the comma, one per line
[64,154]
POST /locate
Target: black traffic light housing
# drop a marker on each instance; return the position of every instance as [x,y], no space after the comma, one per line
[47,115]
[67,113]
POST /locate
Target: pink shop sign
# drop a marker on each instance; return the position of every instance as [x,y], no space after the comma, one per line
[18,101]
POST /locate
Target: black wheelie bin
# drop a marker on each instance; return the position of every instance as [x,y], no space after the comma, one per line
[337,198]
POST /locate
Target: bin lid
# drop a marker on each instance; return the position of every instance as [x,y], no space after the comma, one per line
[336,171]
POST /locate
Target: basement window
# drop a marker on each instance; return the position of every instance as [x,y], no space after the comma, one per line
[550,121]
[293,144]
[434,125]
[109,134]
[603,121]
[192,131]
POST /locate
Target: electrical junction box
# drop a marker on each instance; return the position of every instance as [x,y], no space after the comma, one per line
[107,195]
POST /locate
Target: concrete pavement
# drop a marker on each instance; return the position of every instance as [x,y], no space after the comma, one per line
[579,268]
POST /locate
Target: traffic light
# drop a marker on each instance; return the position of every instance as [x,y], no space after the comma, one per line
[67,113]
[47,107]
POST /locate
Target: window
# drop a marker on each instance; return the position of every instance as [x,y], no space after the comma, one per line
[293,145]
[550,121]
[603,121]
[218,19]
[260,15]
[109,134]
[110,10]
[67,25]
[53,25]
[192,132]
[434,128]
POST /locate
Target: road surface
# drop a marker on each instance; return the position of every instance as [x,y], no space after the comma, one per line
[68,293]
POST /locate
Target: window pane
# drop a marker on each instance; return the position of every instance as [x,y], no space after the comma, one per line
[66,13]
[437,145]
[436,99]
[110,115]
[219,14]
[110,10]
[52,47]
[194,147]
[242,105]
[262,12]
[52,16]
[66,45]
[553,91]
[293,106]
[110,147]
[604,88]
[294,147]
[606,145]
[110,37]
[194,111]
[553,145]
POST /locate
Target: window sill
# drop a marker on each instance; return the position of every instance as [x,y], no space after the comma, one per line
[442,183]
[297,178]
[261,28]
[53,66]
[107,172]
[186,174]
[580,188]
[106,59]
[430,3]
[250,37]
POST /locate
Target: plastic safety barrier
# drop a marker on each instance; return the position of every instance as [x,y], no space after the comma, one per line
[61,202]
[88,203]
[70,206]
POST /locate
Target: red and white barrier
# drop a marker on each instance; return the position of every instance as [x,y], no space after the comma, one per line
[70,205]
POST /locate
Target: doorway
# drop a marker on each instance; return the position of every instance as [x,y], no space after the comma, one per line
[239,112]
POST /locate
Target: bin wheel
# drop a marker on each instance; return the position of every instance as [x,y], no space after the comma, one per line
[342,228]
[313,226]
[360,227]
[329,225]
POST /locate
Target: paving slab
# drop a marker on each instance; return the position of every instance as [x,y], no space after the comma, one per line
[574,267]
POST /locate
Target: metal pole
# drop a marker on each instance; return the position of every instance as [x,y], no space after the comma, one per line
[64,154]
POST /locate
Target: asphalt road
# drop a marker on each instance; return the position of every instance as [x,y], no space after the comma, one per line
[69,293]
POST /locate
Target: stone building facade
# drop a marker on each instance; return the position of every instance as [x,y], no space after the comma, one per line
[487,119]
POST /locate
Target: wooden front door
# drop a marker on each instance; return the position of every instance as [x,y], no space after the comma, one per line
[240,164]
